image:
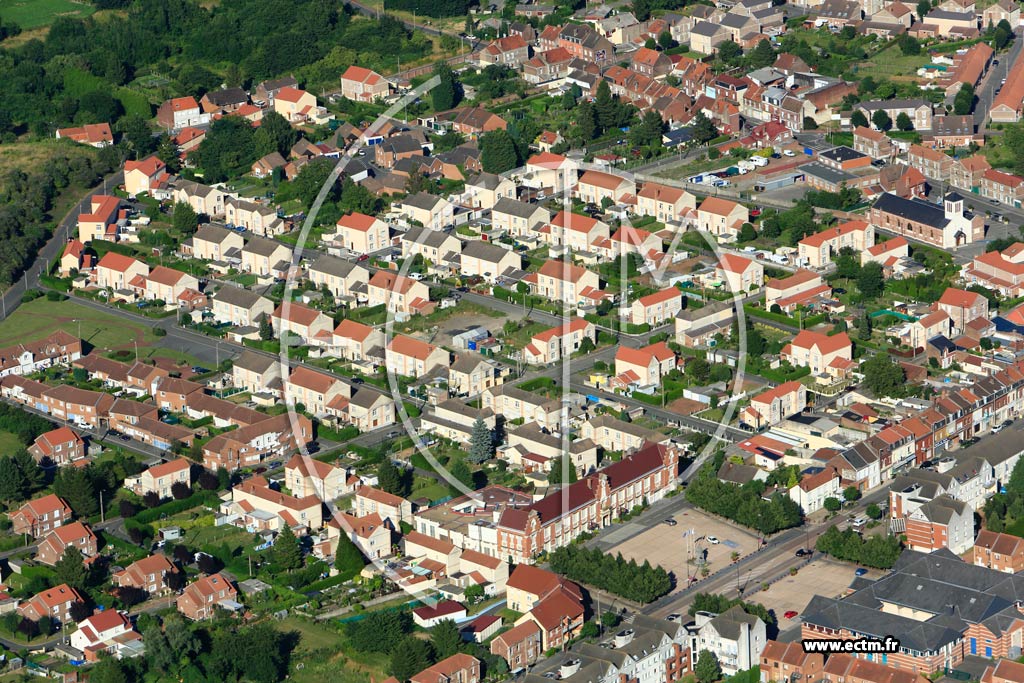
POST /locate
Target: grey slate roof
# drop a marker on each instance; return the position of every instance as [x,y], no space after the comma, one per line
[484,251]
[333,265]
[912,209]
[236,296]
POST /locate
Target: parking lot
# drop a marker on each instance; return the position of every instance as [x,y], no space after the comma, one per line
[820,577]
[670,546]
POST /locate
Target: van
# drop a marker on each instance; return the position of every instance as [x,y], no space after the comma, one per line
[859,524]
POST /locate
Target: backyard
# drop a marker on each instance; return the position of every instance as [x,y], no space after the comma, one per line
[29,14]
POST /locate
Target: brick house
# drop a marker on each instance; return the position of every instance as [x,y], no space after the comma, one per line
[75,534]
[40,516]
[148,574]
[54,603]
[60,446]
[200,597]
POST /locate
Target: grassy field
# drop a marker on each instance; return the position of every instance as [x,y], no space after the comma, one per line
[9,443]
[893,64]
[30,14]
[28,156]
[38,318]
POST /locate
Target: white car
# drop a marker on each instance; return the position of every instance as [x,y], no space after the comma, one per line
[713,541]
[788,153]
[998,428]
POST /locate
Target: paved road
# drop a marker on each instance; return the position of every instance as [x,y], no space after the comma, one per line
[11,299]
[992,80]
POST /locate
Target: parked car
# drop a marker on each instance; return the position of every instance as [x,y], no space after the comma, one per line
[713,541]
[998,428]
[790,614]
[803,552]
[363,257]
[789,153]
[671,522]
[860,571]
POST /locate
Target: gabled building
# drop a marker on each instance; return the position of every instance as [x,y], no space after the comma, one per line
[202,596]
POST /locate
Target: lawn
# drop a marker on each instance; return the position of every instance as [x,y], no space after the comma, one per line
[892,63]
[41,317]
[9,443]
[35,13]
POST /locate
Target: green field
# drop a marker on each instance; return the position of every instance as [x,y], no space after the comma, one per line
[9,443]
[105,331]
[30,14]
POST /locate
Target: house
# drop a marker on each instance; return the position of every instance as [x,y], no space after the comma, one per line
[459,668]
[148,574]
[664,203]
[312,390]
[918,110]
[553,344]
[258,218]
[75,535]
[305,476]
[107,632]
[1007,10]
[812,490]
[942,522]
[954,131]
[963,307]
[261,508]
[240,307]
[474,121]
[435,246]
[160,479]
[739,273]
[102,222]
[263,256]
[1004,188]
[651,63]
[215,243]
[363,85]
[579,233]
[145,177]
[1002,552]
[167,285]
[926,328]
[471,375]
[484,190]
[201,596]
[116,271]
[873,143]
[92,134]
[487,260]
[1001,272]
[697,327]
[817,351]
[775,405]
[510,51]
[735,637]
[721,217]
[224,101]
[549,170]
[565,282]
[817,250]
[295,105]
[517,218]
[1003,671]
[617,436]
[265,91]
[402,295]
[74,258]
[784,662]
[368,533]
[516,404]
[428,210]
[80,407]
[354,341]
[361,234]
[265,166]
[181,112]
[648,364]
[594,187]
[23,359]
[301,321]
[411,357]
[55,603]
[341,277]
[947,226]
[887,253]
[558,614]
[931,162]
[40,516]
[205,200]
[59,446]
[799,289]
[705,37]
[250,445]
[392,509]
[519,646]
[656,309]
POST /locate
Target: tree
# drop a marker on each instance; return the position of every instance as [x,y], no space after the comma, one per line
[108,670]
[311,179]
[481,443]
[762,55]
[833,504]
[648,132]
[881,120]
[641,9]
[1001,35]
[908,44]
[606,106]
[275,134]
[864,327]
[704,130]
[747,233]
[586,122]
[730,52]
[287,553]
[410,656]
[185,219]
[12,481]
[131,596]
[70,568]
[136,135]
[871,280]
[33,476]
[858,119]
[882,376]
[498,151]
[963,102]
[707,669]
[851,493]
[562,471]
[180,490]
[666,41]
[873,511]
[445,639]
[445,95]
[903,122]
[75,486]
[151,499]
[266,329]
[474,593]
[392,479]
[348,559]
[923,8]
[460,472]
[610,619]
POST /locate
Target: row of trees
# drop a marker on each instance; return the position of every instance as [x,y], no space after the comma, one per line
[879,551]
[742,504]
[1006,508]
[717,603]
[640,583]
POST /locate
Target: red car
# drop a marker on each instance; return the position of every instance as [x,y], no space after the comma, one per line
[754,213]
[790,614]
[363,257]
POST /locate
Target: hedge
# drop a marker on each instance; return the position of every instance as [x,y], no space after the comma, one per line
[809,321]
[173,507]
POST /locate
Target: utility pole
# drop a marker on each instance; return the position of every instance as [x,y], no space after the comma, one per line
[102,516]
